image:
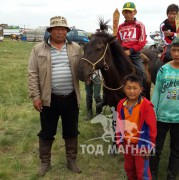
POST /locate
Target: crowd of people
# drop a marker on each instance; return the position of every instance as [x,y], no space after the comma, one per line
[54,90]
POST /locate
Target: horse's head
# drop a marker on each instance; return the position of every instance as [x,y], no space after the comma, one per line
[95,55]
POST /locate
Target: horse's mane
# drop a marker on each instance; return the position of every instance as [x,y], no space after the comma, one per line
[121,61]
[103,24]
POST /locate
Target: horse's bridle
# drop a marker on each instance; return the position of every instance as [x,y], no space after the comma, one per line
[106,67]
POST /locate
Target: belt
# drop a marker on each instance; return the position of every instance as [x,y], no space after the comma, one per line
[72,94]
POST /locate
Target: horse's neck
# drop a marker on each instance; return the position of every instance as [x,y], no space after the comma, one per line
[111,77]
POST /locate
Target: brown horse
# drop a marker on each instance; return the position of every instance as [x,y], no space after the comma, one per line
[105,53]
[155,62]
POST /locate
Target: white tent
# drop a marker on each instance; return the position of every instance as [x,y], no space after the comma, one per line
[36,34]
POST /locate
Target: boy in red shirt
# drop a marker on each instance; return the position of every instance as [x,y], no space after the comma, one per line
[132,36]
[135,129]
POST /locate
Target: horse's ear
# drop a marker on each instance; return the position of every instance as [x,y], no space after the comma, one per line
[111,39]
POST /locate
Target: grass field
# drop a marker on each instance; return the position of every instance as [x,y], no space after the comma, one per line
[19,124]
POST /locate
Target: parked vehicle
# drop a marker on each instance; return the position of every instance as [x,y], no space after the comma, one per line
[157,44]
[79,36]
[9,32]
[46,35]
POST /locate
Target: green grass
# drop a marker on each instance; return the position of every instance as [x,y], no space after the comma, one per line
[19,125]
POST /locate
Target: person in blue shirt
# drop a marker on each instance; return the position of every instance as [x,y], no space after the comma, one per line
[166,104]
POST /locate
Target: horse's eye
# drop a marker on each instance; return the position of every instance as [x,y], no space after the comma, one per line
[98,49]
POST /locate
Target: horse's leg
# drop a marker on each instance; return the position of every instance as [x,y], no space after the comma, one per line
[146,63]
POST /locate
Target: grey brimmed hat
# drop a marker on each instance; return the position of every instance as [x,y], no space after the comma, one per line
[58,21]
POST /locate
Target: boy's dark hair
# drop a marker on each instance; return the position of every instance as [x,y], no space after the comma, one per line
[133,78]
[172,7]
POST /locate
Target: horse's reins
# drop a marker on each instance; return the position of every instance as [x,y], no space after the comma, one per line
[102,82]
[106,68]
[102,57]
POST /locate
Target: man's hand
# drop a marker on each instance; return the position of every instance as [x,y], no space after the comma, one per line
[38,105]
[168,33]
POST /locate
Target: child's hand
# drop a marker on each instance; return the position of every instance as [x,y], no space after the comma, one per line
[127,52]
[168,33]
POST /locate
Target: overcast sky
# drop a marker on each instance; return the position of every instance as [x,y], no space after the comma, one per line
[82,14]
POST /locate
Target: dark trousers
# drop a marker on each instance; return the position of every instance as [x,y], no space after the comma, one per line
[93,87]
[67,108]
[162,129]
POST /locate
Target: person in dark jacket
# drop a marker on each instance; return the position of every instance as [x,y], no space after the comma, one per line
[168,31]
